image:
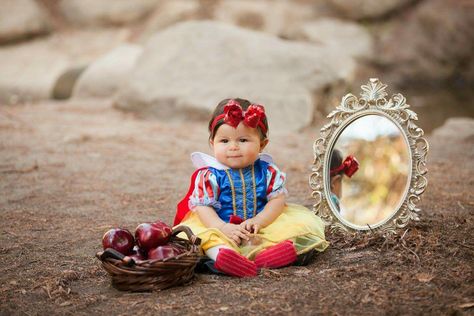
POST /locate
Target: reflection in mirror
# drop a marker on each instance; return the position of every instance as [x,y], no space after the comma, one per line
[369,171]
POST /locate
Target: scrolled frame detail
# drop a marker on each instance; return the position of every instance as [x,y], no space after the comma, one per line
[373,100]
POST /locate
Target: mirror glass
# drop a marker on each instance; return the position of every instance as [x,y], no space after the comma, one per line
[369,172]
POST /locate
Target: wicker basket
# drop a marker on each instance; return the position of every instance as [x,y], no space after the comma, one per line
[148,275]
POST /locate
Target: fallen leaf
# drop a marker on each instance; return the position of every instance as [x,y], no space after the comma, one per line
[366,299]
[302,271]
[467,305]
[424,277]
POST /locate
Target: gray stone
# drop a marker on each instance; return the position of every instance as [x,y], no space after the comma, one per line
[274,17]
[106,12]
[368,9]
[20,19]
[188,68]
[31,70]
[428,46]
[351,37]
[106,75]
[460,128]
[168,13]
[66,82]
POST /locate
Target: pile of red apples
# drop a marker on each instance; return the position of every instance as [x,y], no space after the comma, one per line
[151,242]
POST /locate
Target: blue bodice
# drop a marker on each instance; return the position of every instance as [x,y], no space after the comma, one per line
[243,192]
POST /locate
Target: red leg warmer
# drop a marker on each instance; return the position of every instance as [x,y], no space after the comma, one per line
[232,263]
[280,255]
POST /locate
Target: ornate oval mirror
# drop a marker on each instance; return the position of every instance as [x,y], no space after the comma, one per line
[369,167]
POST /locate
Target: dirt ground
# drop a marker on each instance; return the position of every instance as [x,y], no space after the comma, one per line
[71,170]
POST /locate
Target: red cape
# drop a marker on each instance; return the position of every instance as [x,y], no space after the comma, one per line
[183,207]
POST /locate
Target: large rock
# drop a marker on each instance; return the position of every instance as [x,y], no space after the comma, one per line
[274,17]
[457,129]
[426,46]
[171,12]
[106,75]
[106,12]
[351,37]
[187,69]
[31,70]
[452,141]
[368,9]
[21,19]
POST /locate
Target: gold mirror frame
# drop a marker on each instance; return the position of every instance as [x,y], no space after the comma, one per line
[372,101]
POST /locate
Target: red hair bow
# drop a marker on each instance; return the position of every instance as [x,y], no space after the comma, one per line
[233,115]
[350,165]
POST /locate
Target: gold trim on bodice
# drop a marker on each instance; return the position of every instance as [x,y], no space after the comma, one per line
[232,189]
[244,192]
[254,184]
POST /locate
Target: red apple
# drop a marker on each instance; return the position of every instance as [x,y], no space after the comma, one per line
[163,252]
[137,254]
[119,239]
[151,235]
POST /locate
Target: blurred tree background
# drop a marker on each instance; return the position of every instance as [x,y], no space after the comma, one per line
[375,191]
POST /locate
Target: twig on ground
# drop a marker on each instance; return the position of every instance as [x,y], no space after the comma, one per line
[403,245]
[403,236]
[371,230]
[467,246]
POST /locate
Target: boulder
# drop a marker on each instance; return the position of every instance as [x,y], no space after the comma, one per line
[274,17]
[106,75]
[105,12]
[20,19]
[456,129]
[31,70]
[435,47]
[368,9]
[168,13]
[186,69]
[351,37]
[65,83]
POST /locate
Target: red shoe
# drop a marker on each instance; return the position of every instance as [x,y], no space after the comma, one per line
[280,255]
[232,263]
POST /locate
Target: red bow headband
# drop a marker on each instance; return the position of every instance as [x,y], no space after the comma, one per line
[350,165]
[233,115]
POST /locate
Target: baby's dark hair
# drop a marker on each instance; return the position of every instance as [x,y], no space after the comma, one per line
[336,161]
[244,104]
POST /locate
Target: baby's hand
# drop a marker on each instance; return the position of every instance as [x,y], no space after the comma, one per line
[251,225]
[235,232]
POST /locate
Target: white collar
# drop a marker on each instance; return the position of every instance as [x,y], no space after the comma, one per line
[202,160]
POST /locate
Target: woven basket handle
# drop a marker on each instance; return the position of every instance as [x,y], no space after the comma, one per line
[114,254]
[195,240]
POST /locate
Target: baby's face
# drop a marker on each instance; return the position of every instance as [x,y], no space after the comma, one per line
[237,147]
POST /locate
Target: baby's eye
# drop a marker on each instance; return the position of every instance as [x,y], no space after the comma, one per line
[243,140]
[225,141]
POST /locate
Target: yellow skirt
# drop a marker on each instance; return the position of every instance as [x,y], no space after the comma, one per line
[296,223]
